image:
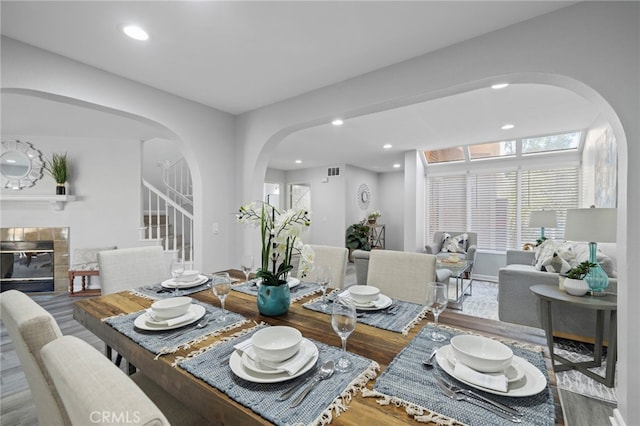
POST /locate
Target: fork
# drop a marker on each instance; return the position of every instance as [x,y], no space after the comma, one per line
[472,394]
[461,397]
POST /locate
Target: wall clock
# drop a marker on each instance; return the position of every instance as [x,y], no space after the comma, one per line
[364,196]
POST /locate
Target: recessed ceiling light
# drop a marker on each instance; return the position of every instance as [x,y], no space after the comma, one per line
[135,32]
[396,166]
[337,122]
[298,161]
[499,85]
[507,127]
[387,146]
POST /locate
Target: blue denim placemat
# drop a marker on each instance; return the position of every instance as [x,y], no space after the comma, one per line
[409,381]
[331,395]
[163,342]
[405,316]
[298,292]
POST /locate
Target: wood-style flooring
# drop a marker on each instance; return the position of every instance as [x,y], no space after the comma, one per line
[17,408]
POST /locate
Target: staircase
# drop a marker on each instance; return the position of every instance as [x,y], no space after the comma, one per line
[167,221]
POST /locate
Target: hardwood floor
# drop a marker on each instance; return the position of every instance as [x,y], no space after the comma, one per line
[17,408]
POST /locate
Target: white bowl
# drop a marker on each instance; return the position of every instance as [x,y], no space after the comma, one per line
[276,343]
[188,275]
[481,353]
[363,294]
[171,308]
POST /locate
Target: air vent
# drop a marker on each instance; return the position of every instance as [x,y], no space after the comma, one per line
[333,171]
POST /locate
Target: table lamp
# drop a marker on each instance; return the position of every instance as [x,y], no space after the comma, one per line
[543,219]
[593,225]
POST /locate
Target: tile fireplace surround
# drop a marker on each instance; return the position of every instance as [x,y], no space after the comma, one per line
[60,238]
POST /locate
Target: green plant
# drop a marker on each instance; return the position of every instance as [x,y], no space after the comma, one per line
[58,168]
[579,271]
[357,236]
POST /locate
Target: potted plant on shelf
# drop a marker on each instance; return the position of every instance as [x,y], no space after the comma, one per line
[373,217]
[280,233]
[357,238]
[574,282]
[58,167]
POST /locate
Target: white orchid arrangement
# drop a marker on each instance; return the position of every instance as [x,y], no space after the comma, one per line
[374,215]
[281,238]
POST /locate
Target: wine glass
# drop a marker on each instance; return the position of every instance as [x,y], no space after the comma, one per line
[437,299]
[324,278]
[221,286]
[343,321]
[247,265]
[176,270]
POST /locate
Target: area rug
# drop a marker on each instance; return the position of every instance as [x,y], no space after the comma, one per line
[484,304]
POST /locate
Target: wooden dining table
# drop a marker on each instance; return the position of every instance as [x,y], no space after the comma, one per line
[371,342]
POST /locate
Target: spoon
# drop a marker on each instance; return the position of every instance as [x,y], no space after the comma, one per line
[203,322]
[429,361]
[326,371]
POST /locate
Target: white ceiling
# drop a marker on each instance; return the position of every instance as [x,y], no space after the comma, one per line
[239,56]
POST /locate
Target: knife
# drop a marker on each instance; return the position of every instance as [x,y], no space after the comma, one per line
[287,394]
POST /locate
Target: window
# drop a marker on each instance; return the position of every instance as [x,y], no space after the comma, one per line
[491,150]
[497,205]
[561,142]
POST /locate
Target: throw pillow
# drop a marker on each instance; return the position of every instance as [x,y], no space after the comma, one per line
[457,244]
[446,239]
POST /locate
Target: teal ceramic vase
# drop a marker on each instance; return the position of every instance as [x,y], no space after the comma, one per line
[274,300]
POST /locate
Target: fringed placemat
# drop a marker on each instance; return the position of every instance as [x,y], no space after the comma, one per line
[170,341]
[407,383]
[330,397]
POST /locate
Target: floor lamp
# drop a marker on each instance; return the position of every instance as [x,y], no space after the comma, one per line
[543,219]
[595,226]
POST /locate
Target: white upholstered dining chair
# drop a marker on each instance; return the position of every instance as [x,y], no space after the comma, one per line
[94,391]
[402,275]
[30,328]
[124,269]
[333,257]
[128,268]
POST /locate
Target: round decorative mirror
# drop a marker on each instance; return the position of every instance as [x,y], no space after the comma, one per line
[364,196]
[20,164]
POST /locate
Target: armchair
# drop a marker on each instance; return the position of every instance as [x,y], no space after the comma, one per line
[467,251]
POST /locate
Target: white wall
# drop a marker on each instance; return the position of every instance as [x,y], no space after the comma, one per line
[392,207]
[327,205]
[570,48]
[106,212]
[204,135]
[355,176]
[154,151]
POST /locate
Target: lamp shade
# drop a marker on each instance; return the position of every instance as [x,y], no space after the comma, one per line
[591,225]
[543,219]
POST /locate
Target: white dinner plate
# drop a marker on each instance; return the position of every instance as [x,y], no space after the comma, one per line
[238,368]
[382,302]
[142,320]
[514,372]
[532,383]
[305,346]
[170,283]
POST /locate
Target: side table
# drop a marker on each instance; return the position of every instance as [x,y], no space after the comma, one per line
[602,305]
[84,274]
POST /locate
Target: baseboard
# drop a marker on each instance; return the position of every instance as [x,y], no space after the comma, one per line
[490,278]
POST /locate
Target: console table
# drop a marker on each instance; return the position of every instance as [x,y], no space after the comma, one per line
[602,305]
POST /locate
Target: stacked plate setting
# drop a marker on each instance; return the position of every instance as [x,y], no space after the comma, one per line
[490,366]
[368,298]
[190,278]
[170,313]
[273,354]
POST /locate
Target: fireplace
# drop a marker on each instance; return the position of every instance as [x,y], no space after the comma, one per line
[25,248]
[27,266]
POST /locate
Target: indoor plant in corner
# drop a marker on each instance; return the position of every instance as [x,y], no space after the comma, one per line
[357,238]
[574,282]
[280,233]
[58,168]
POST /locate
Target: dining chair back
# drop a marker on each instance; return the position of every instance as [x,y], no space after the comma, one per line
[401,275]
[94,391]
[30,328]
[333,257]
[128,268]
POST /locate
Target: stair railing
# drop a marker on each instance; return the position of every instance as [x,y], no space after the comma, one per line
[179,222]
[176,177]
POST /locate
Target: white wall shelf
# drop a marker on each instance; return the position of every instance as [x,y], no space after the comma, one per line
[57,202]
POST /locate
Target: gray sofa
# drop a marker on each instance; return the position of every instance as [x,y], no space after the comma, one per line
[516,303]
[361,262]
